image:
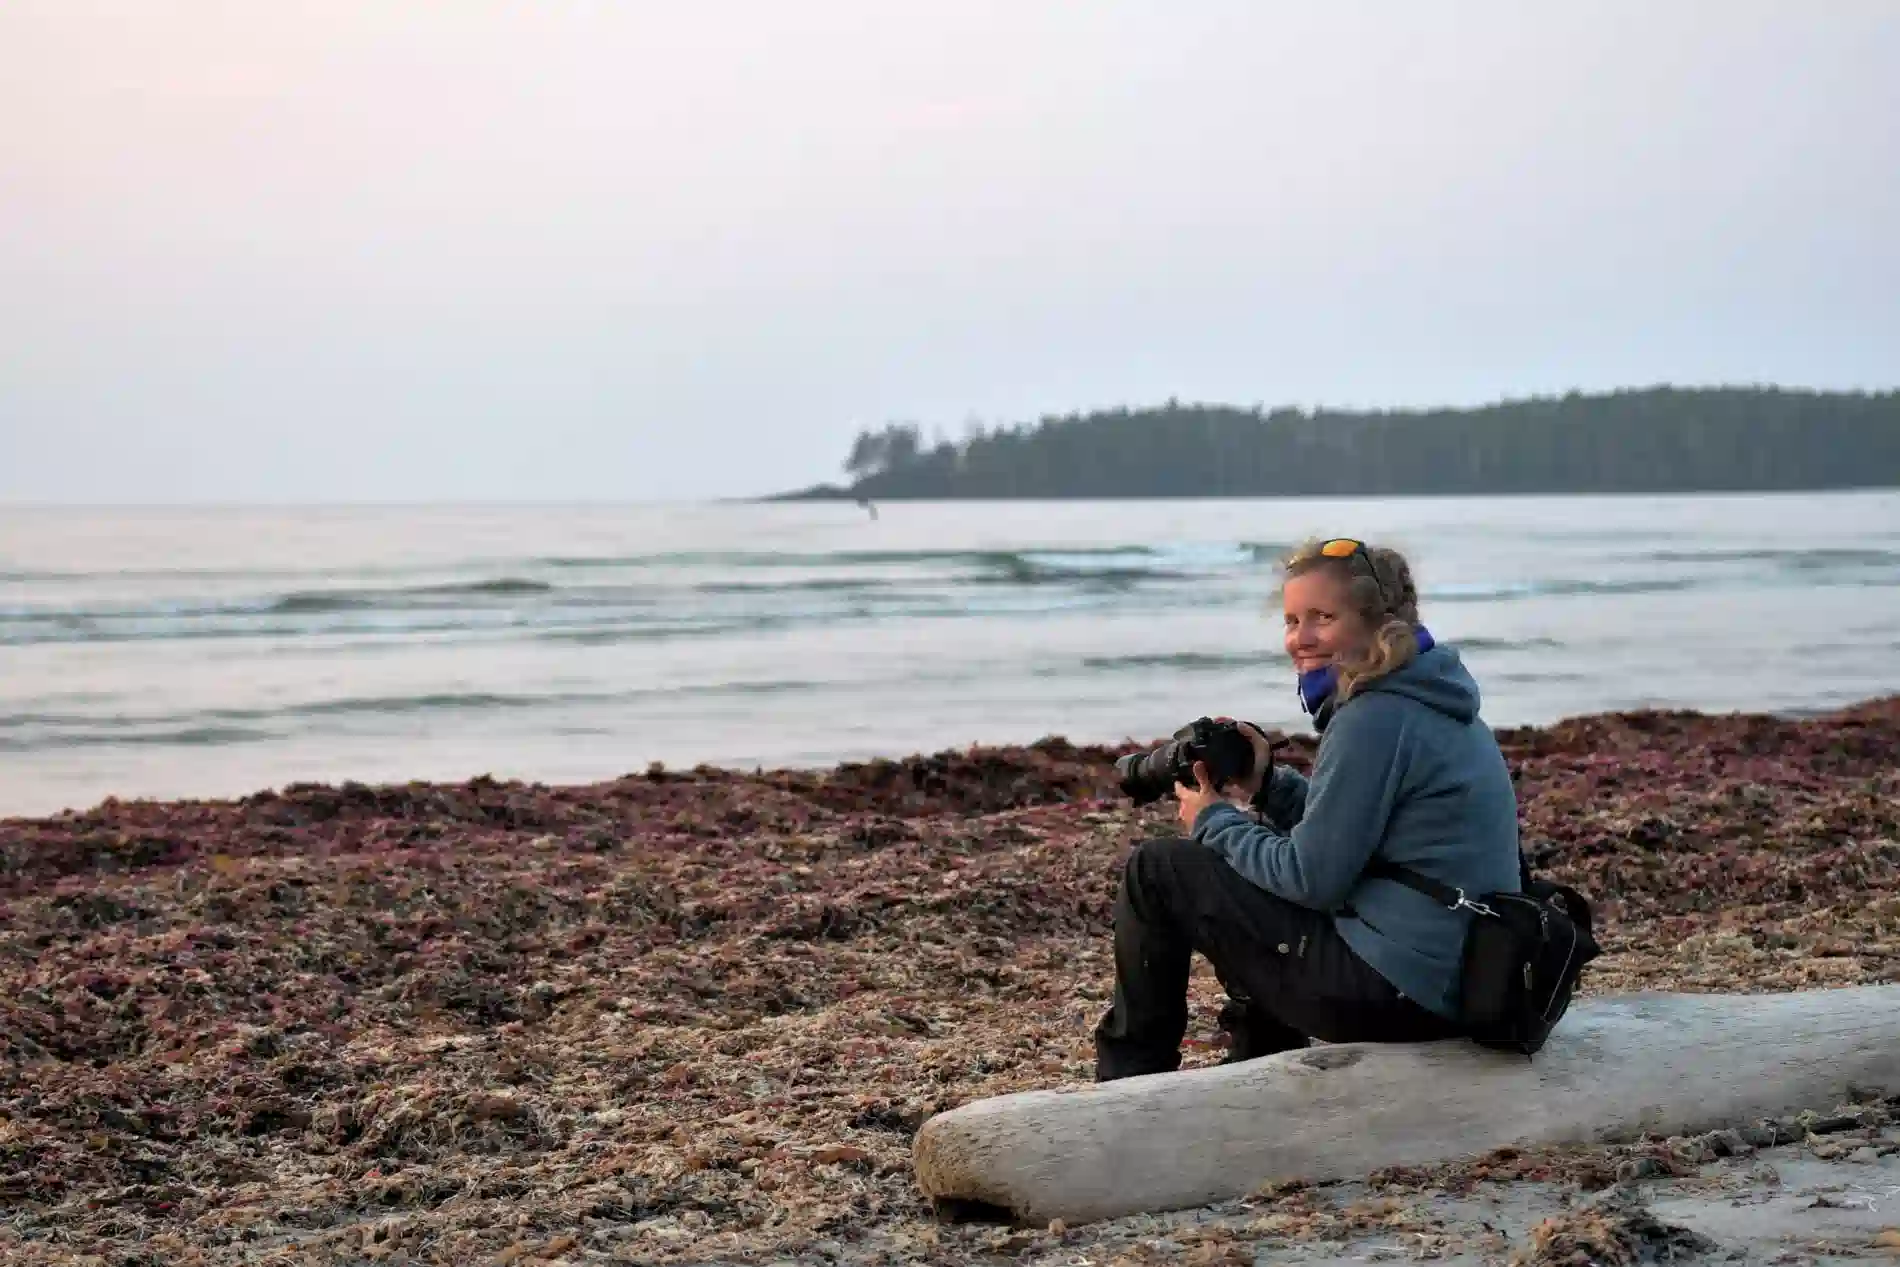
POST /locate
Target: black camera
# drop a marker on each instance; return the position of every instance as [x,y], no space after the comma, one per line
[1149,776]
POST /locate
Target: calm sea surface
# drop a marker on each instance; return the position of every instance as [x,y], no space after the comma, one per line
[216,652]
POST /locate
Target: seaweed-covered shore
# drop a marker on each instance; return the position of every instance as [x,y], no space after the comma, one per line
[698,1015]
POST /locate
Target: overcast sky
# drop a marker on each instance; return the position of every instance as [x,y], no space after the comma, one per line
[334,250]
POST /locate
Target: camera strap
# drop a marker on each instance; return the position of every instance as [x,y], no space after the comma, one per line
[1444,894]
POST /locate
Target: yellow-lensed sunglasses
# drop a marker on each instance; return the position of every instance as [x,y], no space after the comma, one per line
[1346,548]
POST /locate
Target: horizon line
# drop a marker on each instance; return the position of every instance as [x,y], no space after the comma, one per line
[770,499]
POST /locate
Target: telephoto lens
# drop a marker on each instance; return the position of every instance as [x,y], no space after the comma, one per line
[1222,744]
[1149,776]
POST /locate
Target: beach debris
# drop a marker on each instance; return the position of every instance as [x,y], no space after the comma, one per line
[1613,1230]
[701,1016]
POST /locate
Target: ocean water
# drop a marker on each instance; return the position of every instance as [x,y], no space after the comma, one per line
[217,652]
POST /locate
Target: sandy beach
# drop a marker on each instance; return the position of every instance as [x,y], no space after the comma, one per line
[697,1015]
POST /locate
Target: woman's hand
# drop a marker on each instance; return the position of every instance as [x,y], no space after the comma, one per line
[1243,792]
[1249,789]
[1195,799]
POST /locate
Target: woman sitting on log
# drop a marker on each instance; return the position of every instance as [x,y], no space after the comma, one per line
[1306,943]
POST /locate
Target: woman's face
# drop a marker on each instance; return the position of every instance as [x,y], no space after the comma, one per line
[1321,625]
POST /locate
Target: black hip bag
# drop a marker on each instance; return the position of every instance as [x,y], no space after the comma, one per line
[1523,955]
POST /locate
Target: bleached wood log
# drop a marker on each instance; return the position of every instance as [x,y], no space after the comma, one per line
[1616,1068]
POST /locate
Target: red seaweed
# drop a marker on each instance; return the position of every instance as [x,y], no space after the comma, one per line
[700,1013]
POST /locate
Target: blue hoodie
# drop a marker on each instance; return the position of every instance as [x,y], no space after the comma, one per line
[1405,771]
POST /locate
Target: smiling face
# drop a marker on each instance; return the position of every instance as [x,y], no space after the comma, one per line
[1322,626]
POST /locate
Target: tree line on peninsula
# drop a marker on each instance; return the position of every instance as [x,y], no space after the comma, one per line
[1654,440]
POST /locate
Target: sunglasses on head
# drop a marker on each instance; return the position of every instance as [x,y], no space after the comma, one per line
[1346,548]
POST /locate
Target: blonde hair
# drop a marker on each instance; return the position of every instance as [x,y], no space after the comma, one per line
[1379,586]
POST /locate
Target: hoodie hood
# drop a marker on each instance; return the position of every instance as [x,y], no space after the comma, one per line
[1436,678]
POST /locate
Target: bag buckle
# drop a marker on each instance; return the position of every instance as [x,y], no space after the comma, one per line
[1476,908]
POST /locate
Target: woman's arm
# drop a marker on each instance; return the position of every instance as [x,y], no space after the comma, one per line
[1284,799]
[1345,806]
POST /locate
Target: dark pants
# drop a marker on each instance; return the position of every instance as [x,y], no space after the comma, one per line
[1288,973]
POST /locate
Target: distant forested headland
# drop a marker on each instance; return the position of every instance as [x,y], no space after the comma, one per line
[1656,440]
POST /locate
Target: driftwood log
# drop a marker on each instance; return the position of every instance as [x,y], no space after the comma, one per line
[1616,1069]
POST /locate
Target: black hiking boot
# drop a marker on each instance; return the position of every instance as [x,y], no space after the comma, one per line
[1252,1034]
